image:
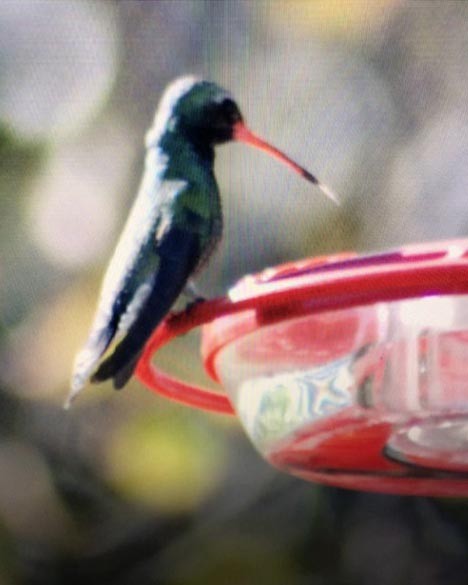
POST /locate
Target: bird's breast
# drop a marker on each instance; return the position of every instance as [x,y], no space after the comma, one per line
[199,212]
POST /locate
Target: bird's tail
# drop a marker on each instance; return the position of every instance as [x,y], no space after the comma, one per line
[125,373]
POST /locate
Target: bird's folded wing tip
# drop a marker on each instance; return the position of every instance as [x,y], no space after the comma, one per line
[76,386]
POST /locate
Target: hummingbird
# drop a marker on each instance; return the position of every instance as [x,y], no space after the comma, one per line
[172,229]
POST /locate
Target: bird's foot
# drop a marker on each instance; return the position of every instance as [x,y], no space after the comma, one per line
[191,292]
[193,303]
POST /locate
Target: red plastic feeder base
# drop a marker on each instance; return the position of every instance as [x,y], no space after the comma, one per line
[348,370]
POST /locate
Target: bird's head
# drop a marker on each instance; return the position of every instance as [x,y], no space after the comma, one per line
[207,115]
[202,111]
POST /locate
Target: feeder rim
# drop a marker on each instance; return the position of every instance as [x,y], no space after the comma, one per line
[312,285]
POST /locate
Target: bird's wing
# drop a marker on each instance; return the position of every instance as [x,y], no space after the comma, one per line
[128,280]
[184,235]
[179,252]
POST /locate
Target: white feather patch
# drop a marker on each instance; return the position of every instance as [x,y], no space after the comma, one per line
[139,299]
[170,97]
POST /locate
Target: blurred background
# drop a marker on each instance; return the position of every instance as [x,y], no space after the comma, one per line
[127,488]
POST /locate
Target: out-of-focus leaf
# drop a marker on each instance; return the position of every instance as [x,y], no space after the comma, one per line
[167,462]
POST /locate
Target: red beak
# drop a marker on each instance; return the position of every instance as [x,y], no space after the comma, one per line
[242,134]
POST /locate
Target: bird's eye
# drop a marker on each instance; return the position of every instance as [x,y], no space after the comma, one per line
[230,110]
[228,104]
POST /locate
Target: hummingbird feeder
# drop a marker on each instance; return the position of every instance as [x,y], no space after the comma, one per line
[347,370]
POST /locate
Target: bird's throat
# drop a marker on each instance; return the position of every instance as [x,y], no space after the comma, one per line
[186,155]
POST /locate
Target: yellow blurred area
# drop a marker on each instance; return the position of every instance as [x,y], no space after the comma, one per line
[329,18]
[43,348]
[165,461]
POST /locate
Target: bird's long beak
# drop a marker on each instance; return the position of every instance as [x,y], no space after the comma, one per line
[242,134]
